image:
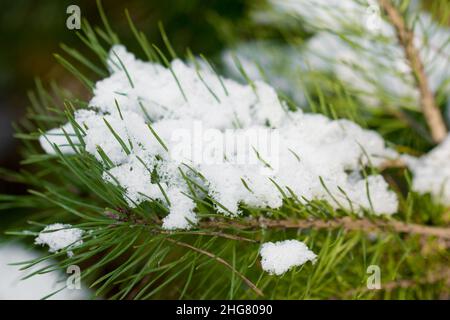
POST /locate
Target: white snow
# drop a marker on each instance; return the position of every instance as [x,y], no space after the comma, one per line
[431,172]
[279,257]
[301,148]
[36,287]
[60,236]
[57,136]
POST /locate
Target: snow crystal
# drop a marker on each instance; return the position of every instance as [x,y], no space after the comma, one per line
[280,257]
[431,172]
[60,236]
[158,130]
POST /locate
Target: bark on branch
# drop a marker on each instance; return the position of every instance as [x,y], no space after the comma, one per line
[347,223]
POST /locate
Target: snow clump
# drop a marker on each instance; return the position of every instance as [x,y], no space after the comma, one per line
[176,121]
[60,236]
[281,256]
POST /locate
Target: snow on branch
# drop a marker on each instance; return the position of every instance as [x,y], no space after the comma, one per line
[238,145]
[60,236]
[280,257]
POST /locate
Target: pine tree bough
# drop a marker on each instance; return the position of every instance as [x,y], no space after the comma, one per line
[159,199]
[347,223]
[139,114]
[351,42]
[405,36]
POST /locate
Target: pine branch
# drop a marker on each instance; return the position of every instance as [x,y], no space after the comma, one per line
[135,258]
[405,37]
[347,223]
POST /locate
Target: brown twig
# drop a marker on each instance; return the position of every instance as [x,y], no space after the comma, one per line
[392,164]
[220,260]
[347,223]
[405,37]
[210,234]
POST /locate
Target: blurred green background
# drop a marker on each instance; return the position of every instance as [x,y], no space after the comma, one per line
[31,31]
